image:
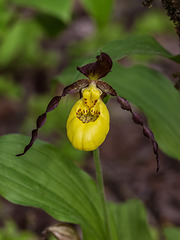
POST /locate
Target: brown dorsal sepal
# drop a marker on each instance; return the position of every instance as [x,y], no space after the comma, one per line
[98,69]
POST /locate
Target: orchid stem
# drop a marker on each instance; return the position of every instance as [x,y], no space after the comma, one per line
[100,184]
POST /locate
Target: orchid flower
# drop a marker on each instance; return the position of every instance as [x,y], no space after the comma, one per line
[88,122]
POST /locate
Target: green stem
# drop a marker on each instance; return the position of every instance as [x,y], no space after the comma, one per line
[100,184]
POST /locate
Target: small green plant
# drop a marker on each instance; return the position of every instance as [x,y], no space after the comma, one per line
[44,176]
[46,179]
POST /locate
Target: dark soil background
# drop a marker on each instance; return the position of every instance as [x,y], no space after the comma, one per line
[128,161]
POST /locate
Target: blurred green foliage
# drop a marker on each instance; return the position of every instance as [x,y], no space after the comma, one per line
[20,38]
[58,8]
[153,22]
[171,233]
[11,232]
[10,89]
[113,31]
[95,7]
[21,43]
[63,9]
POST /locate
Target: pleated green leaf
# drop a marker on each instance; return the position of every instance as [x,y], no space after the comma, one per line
[156,96]
[129,221]
[137,45]
[149,90]
[133,45]
[57,8]
[43,178]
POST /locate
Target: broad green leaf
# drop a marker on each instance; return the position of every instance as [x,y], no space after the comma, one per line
[137,45]
[100,10]
[58,8]
[43,178]
[70,74]
[171,233]
[156,96]
[152,92]
[134,45]
[129,221]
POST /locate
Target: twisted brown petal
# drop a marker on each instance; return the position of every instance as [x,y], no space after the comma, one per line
[98,69]
[41,120]
[137,118]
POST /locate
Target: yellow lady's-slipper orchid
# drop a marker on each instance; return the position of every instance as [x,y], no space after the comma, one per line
[88,122]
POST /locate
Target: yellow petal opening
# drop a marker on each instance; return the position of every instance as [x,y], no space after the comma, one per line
[88,121]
